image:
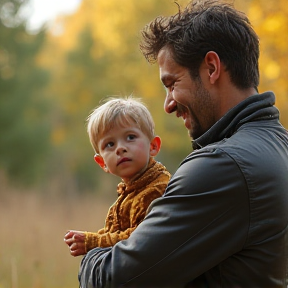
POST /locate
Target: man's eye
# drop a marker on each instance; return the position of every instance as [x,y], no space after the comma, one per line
[169,88]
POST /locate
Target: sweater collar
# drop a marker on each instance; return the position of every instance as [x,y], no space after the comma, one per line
[256,107]
[154,169]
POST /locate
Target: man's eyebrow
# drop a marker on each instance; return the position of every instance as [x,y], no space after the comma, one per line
[166,78]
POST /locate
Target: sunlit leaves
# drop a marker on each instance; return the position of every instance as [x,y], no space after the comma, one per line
[92,54]
[270,20]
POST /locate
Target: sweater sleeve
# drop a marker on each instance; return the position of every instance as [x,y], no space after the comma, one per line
[108,239]
[138,211]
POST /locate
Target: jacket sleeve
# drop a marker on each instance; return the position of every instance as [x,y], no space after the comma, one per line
[202,219]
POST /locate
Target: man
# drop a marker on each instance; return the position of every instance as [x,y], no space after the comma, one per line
[222,221]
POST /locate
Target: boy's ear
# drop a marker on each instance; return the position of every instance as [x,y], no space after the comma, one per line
[155,146]
[100,161]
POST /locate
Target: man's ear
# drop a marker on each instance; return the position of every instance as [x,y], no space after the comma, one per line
[213,63]
[155,146]
[100,161]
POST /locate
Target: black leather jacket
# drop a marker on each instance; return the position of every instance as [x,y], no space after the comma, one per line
[223,221]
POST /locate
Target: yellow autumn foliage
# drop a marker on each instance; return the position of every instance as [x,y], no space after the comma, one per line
[120,69]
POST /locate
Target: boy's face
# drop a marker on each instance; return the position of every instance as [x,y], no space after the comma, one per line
[125,151]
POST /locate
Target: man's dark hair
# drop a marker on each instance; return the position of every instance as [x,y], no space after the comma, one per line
[203,26]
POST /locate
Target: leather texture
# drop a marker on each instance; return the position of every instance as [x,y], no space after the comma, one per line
[223,221]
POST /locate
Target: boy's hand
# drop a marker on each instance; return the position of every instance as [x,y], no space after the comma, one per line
[76,242]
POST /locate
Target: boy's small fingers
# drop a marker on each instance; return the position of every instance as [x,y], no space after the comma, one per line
[69,241]
[68,235]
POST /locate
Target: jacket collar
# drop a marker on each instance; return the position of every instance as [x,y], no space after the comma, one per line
[256,107]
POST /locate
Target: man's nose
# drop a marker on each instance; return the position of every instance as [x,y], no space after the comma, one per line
[170,104]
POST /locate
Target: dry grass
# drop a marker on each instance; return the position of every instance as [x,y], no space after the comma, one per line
[33,253]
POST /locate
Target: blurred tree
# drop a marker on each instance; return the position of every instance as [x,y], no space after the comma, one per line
[92,54]
[270,20]
[24,128]
[97,54]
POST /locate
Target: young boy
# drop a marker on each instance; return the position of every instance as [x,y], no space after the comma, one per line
[121,132]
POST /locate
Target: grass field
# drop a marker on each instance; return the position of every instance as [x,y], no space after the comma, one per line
[33,253]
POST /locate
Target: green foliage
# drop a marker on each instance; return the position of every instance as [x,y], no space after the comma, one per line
[24,129]
[50,83]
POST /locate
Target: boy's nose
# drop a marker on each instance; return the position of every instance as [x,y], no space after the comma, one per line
[121,149]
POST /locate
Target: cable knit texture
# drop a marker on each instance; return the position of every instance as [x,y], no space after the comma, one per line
[131,206]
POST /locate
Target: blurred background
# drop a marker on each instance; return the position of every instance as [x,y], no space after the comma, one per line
[55,67]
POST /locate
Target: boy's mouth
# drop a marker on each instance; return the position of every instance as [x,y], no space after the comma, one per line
[125,159]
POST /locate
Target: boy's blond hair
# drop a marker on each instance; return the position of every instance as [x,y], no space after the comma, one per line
[119,112]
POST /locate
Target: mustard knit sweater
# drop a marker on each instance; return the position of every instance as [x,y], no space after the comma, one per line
[130,207]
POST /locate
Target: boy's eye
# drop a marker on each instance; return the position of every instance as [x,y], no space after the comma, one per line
[109,145]
[131,137]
